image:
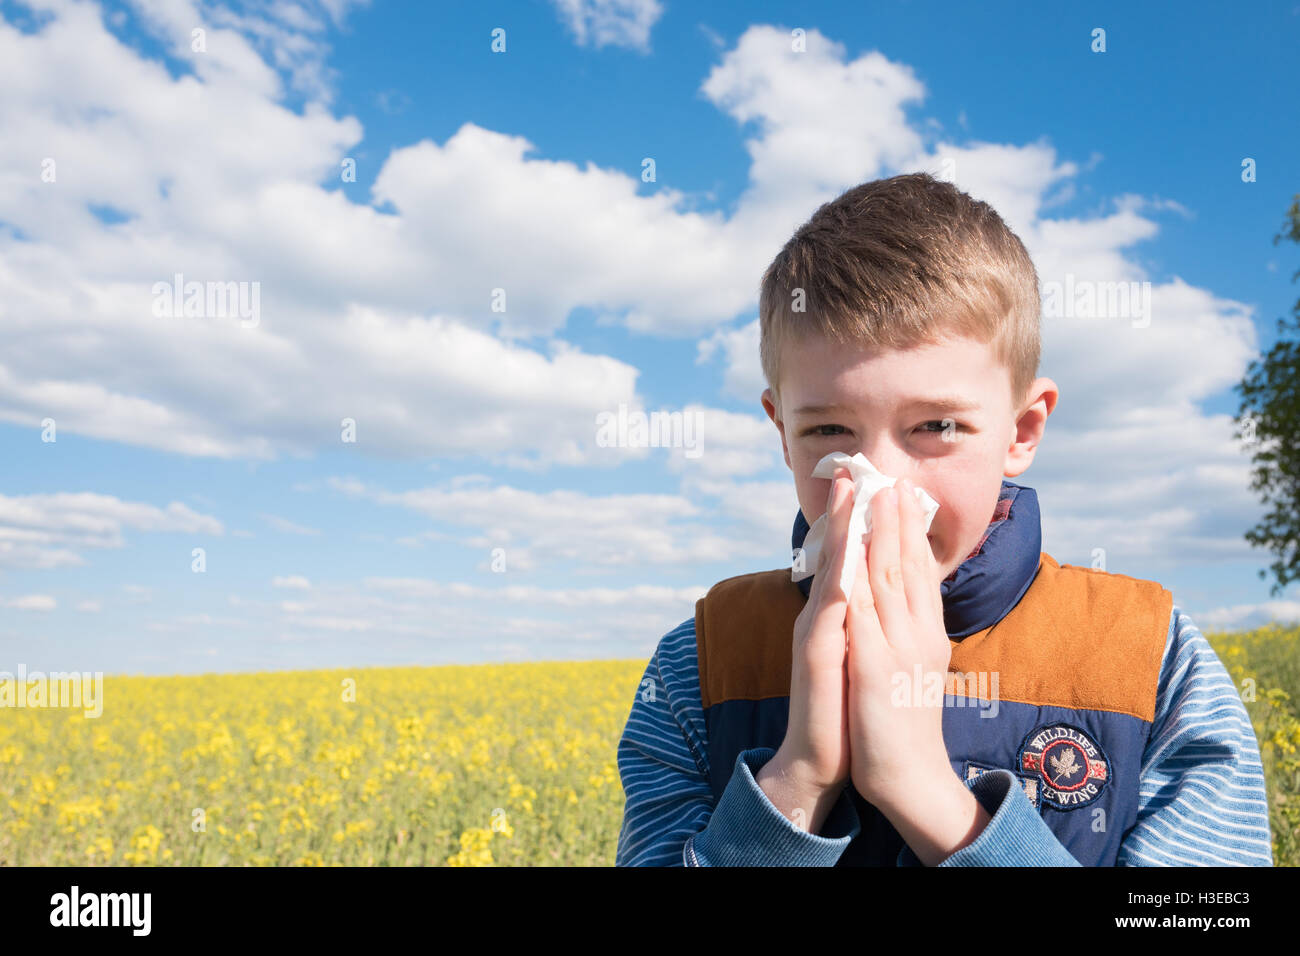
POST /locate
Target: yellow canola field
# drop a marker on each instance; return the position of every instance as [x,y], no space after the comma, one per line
[510,764]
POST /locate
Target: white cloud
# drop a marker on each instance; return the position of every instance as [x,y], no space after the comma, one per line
[295,581]
[637,597]
[330,623]
[823,124]
[345,327]
[1242,617]
[286,35]
[423,617]
[742,374]
[483,215]
[80,342]
[596,533]
[52,530]
[138,593]
[625,23]
[32,602]
[287,526]
[392,102]
[727,444]
[694,439]
[185,624]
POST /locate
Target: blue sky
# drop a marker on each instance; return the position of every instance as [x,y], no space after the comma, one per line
[521,170]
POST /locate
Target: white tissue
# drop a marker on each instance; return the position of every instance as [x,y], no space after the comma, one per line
[867,480]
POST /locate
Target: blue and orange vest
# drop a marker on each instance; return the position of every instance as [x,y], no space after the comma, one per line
[1061,691]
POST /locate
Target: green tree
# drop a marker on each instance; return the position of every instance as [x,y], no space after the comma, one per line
[1269,417]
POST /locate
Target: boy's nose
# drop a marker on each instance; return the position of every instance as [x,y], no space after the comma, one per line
[891,462]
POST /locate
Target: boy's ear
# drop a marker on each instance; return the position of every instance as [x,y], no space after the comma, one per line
[1040,400]
[769,406]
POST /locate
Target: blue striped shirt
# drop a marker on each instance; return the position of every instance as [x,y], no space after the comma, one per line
[1201,799]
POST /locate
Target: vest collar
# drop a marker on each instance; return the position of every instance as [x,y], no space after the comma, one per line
[990,582]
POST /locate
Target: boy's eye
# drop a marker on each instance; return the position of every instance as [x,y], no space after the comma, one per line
[943,425]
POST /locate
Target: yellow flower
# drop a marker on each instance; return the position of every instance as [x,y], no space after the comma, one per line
[474,849]
[100,850]
[144,845]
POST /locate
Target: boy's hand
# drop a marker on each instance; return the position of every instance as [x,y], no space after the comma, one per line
[894,626]
[812,763]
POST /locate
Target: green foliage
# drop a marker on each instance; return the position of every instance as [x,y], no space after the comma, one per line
[1269,659]
[1269,416]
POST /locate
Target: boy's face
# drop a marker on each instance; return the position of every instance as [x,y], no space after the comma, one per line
[889,406]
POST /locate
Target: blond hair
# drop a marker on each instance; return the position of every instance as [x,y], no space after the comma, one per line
[900,262]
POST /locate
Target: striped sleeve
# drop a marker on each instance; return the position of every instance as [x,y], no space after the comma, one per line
[663,758]
[1201,795]
[669,816]
[1016,834]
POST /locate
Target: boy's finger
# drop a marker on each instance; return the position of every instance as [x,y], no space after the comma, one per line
[915,553]
[884,561]
[823,559]
[860,621]
[833,600]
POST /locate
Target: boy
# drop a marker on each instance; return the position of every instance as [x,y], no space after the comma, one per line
[1085,719]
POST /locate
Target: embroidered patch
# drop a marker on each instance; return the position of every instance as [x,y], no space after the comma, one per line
[1072,766]
[1028,783]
